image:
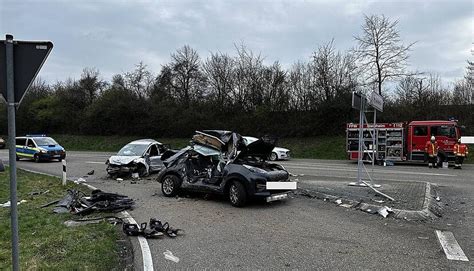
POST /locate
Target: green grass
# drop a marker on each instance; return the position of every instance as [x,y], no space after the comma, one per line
[45,242]
[109,143]
[316,147]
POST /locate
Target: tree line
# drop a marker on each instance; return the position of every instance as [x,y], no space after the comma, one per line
[242,92]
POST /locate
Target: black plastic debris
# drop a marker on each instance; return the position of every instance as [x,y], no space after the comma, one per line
[156,229]
[76,202]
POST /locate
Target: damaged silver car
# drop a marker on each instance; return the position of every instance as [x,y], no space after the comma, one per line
[140,156]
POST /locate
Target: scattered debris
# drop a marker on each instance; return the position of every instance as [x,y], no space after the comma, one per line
[438,198]
[80,180]
[77,202]
[423,237]
[378,200]
[35,193]
[119,179]
[156,229]
[384,211]
[346,205]
[8,203]
[92,220]
[169,256]
[90,172]
[338,201]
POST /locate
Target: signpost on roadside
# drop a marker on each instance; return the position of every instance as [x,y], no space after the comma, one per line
[20,62]
[361,102]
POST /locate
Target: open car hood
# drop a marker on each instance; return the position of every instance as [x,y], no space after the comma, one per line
[260,148]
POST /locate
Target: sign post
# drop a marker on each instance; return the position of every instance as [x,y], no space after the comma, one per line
[361,102]
[23,60]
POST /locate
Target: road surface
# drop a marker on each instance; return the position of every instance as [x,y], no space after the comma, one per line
[298,233]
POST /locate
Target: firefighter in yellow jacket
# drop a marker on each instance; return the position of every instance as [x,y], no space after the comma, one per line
[431,150]
[460,152]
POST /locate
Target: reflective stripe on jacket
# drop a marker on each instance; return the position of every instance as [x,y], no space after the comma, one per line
[460,150]
[431,148]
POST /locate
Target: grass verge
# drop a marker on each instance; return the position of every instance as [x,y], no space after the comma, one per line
[45,242]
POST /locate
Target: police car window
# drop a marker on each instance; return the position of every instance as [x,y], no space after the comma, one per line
[420,130]
[44,141]
[30,143]
[21,141]
[440,131]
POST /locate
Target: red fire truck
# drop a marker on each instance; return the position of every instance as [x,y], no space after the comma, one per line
[403,141]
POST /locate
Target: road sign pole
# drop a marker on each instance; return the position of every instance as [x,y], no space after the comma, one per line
[12,150]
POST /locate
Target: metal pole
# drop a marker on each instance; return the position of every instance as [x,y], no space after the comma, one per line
[361,143]
[12,150]
[374,148]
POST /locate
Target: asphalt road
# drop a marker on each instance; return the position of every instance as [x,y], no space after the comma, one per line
[298,233]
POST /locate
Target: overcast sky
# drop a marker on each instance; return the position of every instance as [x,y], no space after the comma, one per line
[113,35]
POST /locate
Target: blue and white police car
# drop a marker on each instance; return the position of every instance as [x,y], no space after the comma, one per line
[38,147]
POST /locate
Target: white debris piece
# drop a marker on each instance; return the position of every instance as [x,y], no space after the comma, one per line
[8,203]
[384,211]
[338,201]
[80,180]
[170,256]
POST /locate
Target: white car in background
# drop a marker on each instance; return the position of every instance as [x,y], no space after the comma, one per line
[277,152]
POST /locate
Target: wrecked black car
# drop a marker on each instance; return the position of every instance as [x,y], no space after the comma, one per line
[220,162]
[140,156]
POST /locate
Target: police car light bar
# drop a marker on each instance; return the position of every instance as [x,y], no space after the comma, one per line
[40,135]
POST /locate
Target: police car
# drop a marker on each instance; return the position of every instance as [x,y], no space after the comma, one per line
[38,147]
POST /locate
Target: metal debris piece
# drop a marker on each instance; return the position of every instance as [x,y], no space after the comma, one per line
[438,198]
[169,256]
[338,201]
[384,211]
[90,172]
[34,193]
[346,205]
[80,180]
[378,200]
[423,237]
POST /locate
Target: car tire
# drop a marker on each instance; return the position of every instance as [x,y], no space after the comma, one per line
[237,194]
[17,158]
[36,158]
[273,156]
[170,185]
[141,170]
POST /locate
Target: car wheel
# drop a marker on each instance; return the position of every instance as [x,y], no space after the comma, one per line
[237,194]
[36,158]
[273,156]
[170,186]
[17,158]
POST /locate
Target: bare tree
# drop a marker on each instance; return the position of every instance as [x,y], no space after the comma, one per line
[140,81]
[219,70]
[380,52]
[91,83]
[186,77]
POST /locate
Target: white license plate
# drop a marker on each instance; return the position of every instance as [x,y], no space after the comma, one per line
[281,185]
[277,197]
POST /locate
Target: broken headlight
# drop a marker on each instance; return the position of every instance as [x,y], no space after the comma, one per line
[254,169]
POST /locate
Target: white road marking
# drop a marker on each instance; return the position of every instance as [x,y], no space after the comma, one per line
[375,171]
[93,162]
[450,246]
